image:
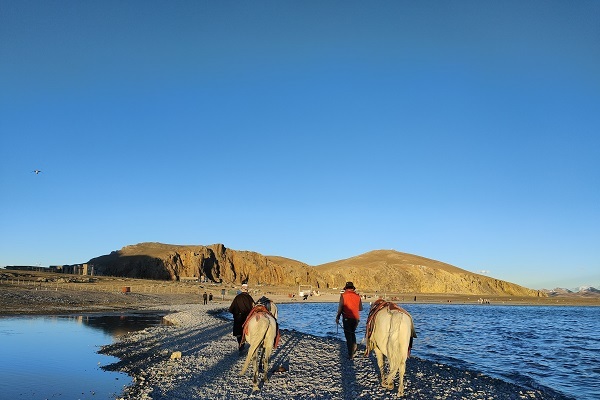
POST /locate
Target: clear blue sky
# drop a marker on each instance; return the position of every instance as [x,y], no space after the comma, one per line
[462,131]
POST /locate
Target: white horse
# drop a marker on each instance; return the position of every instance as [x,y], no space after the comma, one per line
[389,332]
[261,332]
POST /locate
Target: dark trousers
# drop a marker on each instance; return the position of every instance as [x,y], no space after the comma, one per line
[349,331]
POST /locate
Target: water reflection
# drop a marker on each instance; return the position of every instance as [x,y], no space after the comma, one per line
[119,324]
[57,356]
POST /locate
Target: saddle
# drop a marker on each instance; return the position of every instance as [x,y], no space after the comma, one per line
[375,308]
[254,313]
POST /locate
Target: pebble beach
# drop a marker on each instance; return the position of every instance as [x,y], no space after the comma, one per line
[301,367]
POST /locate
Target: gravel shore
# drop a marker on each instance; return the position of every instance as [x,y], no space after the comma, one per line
[315,368]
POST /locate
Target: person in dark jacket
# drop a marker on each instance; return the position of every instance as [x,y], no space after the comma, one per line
[349,307]
[240,307]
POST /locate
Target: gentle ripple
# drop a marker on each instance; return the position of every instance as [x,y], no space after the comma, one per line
[536,346]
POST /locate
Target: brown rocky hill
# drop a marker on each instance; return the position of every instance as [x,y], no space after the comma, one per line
[215,262]
[393,271]
[380,270]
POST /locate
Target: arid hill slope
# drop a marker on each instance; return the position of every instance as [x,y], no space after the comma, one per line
[393,271]
[380,270]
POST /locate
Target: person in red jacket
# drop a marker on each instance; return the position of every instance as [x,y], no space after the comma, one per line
[349,307]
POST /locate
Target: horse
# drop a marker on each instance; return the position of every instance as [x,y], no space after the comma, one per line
[390,330]
[261,332]
[269,305]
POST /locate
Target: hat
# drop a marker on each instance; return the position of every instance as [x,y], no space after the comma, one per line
[349,285]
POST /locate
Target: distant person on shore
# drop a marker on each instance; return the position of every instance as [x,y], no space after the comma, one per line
[349,307]
[210,296]
[205,298]
[240,308]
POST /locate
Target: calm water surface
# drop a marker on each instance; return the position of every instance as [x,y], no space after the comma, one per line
[544,347]
[56,356]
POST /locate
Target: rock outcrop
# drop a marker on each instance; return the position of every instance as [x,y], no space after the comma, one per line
[215,262]
[381,270]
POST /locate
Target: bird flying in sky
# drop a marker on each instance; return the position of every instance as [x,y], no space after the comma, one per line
[37,171]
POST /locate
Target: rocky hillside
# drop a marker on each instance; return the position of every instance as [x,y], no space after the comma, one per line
[380,270]
[215,262]
[392,271]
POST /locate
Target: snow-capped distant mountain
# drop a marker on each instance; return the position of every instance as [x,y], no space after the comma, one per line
[558,291]
[580,290]
[587,289]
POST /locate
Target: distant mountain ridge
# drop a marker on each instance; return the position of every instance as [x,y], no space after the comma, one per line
[580,291]
[379,270]
[585,289]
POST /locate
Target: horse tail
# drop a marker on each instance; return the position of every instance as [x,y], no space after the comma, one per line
[407,319]
[399,324]
[250,357]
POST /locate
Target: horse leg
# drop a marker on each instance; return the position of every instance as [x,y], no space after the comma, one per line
[266,355]
[255,366]
[380,364]
[401,373]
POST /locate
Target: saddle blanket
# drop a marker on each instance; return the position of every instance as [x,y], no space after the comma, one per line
[255,313]
[378,306]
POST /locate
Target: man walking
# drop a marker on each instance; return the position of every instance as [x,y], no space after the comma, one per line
[205,297]
[349,307]
[240,307]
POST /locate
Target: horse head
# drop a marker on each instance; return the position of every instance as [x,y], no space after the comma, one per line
[269,305]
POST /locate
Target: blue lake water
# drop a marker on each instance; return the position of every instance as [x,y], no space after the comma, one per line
[552,348]
[56,356]
[544,347]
